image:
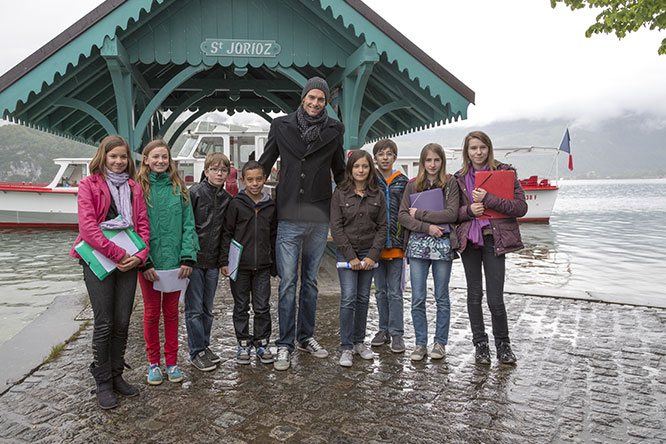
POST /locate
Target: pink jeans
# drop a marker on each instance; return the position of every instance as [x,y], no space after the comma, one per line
[155,303]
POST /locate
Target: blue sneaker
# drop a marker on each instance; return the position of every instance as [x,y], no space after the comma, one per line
[154,375]
[243,355]
[265,356]
[174,374]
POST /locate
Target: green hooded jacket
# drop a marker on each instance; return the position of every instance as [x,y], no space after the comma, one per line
[173,237]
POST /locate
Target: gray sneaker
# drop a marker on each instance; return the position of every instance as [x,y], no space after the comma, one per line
[380,339]
[312,346]
[397,344]
[201,362]
[438,351]
[420,352]
[346,358]
[283,359]
[215,359]
[363,351]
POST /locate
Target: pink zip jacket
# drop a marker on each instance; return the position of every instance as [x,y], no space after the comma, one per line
[93,201]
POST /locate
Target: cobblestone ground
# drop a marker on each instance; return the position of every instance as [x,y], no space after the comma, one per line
[587,372]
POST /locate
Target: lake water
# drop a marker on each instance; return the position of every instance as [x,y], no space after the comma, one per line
[604,237]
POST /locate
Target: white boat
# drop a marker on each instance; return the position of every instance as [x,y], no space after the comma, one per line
[54,204]
[238,143]
[540,189]
[44,205]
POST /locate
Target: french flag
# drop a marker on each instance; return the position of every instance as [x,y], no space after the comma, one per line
[566,146]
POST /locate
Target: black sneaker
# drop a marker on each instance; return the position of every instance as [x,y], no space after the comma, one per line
[201,362]
[504,354]
[482,353]
[212,356]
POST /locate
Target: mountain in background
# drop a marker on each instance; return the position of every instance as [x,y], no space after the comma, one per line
[631,147]
[27,154]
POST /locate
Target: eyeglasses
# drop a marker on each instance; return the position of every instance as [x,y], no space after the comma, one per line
[385,154]
[218,170]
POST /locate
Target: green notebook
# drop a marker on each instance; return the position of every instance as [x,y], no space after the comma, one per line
[101,265]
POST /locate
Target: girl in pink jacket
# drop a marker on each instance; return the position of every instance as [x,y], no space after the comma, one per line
[110,199]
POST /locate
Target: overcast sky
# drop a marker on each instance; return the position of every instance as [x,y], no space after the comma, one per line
[521,57]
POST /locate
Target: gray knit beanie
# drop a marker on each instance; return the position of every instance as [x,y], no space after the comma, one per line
[316,83]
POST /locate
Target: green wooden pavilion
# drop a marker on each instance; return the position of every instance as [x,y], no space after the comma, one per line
[120,68]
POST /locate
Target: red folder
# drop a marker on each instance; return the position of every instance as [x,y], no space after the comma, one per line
[497,183]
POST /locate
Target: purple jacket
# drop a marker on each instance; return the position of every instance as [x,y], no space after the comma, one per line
[505,231]
[94,200]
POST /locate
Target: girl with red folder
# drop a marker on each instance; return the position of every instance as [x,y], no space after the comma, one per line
[484,242]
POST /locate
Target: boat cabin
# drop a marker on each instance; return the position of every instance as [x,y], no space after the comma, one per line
[238,143]
[71,171]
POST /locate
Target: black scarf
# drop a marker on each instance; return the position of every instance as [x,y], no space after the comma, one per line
[310,127]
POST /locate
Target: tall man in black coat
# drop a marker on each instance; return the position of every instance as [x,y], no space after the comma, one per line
[309,144]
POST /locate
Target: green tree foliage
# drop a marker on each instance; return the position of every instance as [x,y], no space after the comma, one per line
[623,16]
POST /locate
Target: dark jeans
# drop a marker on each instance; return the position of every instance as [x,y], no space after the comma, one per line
[112,300]
[257,282]
[493,268]
[199,308]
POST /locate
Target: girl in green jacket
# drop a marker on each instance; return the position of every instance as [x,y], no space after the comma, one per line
[173,245]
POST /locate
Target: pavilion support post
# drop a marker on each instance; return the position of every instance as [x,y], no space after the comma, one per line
[354,79]
[161,95]
[123,87]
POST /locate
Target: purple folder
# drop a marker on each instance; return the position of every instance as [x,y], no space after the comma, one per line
[431,200]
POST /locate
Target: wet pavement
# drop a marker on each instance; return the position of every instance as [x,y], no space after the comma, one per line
[587,372]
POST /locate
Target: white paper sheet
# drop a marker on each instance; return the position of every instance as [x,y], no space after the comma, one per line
[123,241]
[169,282]
[348,265]
[235,252]
[104,261]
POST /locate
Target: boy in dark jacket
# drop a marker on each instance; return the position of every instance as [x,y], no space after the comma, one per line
[388,276]
[209,202]
[251,221]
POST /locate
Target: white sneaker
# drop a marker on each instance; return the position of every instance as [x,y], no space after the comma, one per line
[346,358]
[363,351]
[312,346]
[283,359]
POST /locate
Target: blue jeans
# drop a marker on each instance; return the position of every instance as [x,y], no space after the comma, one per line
[441,271]
[354,298]
[199,308]
[306,240]
[388,293]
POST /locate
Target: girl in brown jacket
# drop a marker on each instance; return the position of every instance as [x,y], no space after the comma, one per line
[430,240]
[359,226]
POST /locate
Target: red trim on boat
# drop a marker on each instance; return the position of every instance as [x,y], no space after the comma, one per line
[534,219]
[33,225]
[36,189]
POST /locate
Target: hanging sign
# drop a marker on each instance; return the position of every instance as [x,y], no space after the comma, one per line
[240,48]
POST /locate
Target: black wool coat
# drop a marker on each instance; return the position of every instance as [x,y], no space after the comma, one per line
[304,189]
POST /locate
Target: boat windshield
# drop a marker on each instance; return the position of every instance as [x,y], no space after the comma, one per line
[187,148]
[72,175]
[209,145]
